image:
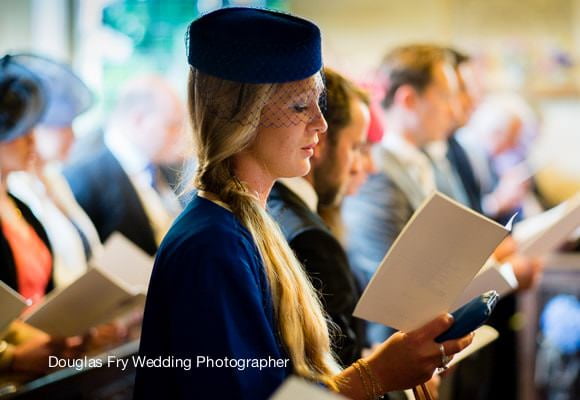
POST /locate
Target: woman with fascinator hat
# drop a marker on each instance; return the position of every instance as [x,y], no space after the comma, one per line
[226,292]
[25,252]
[43,187]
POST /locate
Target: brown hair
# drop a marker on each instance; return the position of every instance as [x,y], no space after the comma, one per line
[456,57]
[339,94]
[410,65]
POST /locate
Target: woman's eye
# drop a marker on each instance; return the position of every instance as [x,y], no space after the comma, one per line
[299,108]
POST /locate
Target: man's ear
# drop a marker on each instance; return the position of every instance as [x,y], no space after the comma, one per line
[406,97]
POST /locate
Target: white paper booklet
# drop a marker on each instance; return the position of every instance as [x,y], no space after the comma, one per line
[12,305]
[123,259]
[500,278]
[484,335]
[430,264]
[117,282]
[94,298]
[541,234]
[295,388]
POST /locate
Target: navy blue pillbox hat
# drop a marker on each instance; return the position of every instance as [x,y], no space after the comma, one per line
[22,100]
[251,45]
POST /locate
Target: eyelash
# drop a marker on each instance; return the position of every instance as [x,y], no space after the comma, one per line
[299,108]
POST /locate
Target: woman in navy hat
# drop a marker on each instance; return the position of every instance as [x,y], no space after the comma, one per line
[230,312]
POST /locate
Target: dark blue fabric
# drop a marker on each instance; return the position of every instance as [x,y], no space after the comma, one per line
[460,162]
[252,45]
[105,192]
[209,296]
[22,99]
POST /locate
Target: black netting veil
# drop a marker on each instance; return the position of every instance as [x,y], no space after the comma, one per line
[274,105]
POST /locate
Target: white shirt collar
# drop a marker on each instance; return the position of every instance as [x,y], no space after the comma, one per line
[437,150]
[303,189]
[132,161]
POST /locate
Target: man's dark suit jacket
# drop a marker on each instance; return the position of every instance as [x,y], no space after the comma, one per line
[326,264]
[103,189]
[460,162]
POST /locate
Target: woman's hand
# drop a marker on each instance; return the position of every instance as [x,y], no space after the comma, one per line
[31,357]
[408,359]
[104,336]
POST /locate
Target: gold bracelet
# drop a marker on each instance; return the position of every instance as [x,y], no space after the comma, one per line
[364,380]
[377,388]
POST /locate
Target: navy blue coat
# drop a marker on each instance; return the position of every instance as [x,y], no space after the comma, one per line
[209,297]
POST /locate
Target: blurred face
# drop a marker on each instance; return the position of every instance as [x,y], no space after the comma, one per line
[465,96]
[289,129]
[159,133]
[508,138]
[337,166]
[17,154]
[434,106]
[53,143]
[172,134]
[368,167]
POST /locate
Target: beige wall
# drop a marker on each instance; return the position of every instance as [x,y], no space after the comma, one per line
[15,32]
[36,25]
[357,33]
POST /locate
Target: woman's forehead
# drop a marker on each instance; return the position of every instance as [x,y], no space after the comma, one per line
[312,85]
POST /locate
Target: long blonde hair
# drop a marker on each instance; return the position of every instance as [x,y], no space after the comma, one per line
[224,117]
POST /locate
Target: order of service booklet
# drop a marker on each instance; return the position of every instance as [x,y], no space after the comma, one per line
[12,305]
[430,264]
[541,234]
[493,276]
[115,283]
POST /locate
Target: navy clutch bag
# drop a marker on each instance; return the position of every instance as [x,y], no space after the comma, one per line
[470,316]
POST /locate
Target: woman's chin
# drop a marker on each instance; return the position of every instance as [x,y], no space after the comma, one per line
[300,170]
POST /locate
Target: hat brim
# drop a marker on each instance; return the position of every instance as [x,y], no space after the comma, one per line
[22,103]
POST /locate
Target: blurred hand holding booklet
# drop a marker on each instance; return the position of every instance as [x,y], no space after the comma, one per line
[12,305]
[430,264]
[542,234]
[116,283]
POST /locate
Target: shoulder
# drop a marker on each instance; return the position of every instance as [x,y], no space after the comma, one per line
[293,216]
[378,192]
[320,241]
[100,162]
[206,233]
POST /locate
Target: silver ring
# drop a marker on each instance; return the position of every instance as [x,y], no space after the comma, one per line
[444,357]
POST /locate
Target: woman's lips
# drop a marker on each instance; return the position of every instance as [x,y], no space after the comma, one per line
[310,149]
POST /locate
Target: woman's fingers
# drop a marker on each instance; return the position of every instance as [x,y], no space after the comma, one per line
[433,328]
[456,345]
